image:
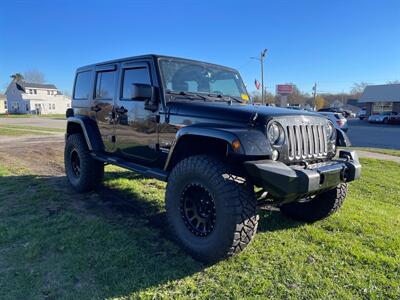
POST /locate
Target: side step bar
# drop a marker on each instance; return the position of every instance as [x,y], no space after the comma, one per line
[149,172]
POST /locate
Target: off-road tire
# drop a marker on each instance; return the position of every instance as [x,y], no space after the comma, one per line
[236,218]
[320,207]
[91,171]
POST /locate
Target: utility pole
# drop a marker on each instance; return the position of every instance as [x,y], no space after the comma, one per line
[261,60]
[315,94]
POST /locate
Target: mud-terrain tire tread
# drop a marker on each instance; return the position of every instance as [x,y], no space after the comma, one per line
[92,171]
[321,207]
[238,199]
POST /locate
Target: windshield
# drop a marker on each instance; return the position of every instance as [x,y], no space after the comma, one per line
[196,77]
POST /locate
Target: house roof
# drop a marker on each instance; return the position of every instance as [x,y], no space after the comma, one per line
[24,85]
[381,93]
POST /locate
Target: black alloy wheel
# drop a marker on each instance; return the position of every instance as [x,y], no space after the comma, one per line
[198,209]
[75,163]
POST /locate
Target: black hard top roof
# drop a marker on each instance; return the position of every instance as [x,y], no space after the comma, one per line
[147,56]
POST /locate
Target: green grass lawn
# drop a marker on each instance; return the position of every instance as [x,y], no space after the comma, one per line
[115,244]
[17,130]
[51,116]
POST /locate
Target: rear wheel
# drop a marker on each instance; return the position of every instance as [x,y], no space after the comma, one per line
[211,210]
[83,172]
[317,208]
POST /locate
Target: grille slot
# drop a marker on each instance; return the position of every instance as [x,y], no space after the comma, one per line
[306,141]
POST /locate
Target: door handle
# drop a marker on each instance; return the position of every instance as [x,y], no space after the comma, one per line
[96,108]
[121,110]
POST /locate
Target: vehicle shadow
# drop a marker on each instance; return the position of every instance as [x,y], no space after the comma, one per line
[146,258]
[109,243]
[271,219]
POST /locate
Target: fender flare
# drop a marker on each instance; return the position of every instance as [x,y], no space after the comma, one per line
[253,142]
[90,131]
[342,140]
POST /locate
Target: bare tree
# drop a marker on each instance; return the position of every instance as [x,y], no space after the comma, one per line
[357,89]
[269,98]
[297,96]
[67,93]
[393,82]
[34,76]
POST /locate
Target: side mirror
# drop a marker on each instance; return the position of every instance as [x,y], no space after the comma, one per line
[145,92]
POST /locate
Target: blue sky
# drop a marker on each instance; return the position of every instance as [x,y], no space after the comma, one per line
[333,43]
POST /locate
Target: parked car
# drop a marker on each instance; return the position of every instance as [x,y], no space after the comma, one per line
[338,119]
[187,123]
[345,113]
[295,107]
[395,119]
[362,114]
[382,117]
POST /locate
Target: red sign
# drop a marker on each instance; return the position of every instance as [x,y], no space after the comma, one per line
[284,89]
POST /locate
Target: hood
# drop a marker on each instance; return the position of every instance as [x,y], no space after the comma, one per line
[235,113]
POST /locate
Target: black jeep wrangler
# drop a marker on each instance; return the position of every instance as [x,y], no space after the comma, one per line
[189,123]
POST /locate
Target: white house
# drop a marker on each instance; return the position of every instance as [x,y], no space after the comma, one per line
[34,98]
[3,104]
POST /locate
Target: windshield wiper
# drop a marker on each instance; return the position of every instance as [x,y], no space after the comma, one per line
[189,95]
[225,97]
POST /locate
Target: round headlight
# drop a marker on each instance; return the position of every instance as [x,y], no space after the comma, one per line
[331,131]
[275,133]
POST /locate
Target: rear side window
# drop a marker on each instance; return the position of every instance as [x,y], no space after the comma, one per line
[105,83]
[82,86]
[132,76]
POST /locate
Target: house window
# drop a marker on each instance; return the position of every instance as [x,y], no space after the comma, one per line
[5,105]
[48,92]
[27,107]
[54,106]
[49,105]
[379,107]
[30,91]
[35,91]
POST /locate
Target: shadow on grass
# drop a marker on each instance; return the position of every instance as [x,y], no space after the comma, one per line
[108,243]
[273,220]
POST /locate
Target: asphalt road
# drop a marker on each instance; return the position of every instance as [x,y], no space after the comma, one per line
[364,134]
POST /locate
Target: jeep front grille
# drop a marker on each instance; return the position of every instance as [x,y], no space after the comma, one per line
[306,141]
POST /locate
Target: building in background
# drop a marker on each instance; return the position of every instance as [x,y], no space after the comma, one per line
[34,98]
[381,98]
[3,104]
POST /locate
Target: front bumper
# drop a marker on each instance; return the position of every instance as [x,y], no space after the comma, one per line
[287,183]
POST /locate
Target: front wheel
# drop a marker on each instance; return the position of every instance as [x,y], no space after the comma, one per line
[211,211]
[317,208]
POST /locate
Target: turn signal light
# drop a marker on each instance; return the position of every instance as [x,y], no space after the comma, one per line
[236,145]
